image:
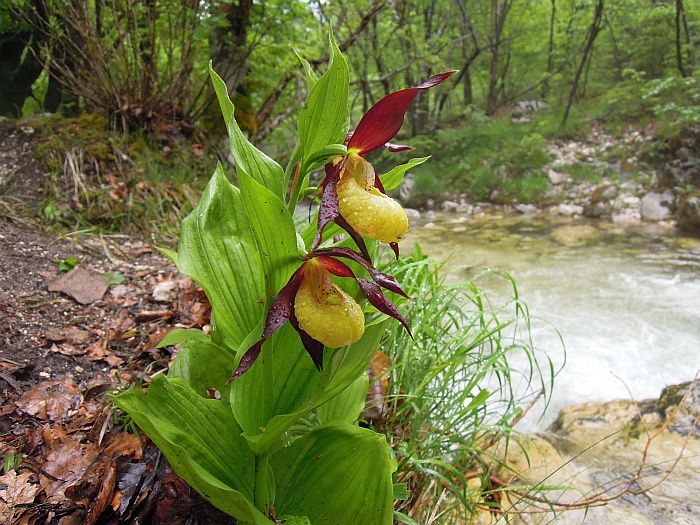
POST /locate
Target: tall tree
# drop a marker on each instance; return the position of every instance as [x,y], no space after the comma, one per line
[593,32]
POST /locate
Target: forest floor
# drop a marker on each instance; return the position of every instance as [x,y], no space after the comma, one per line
[69,338]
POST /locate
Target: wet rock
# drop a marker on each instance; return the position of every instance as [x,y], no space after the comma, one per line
[689,212]
[165,292]
[658,205]
[568,210]
[526,209]
[600,201]
[576,235]
[450,206]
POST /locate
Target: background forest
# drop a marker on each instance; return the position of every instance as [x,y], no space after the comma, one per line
[115,97]
[139,67]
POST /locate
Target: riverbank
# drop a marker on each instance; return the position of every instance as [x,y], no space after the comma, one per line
[616,187]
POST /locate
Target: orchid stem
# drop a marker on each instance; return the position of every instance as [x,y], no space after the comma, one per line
[262,484]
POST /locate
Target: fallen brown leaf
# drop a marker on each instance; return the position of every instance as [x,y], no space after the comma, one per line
[52,400]
[66,465]
[66,349]
[98,353]
[69,334]
[83,286]
[16,490]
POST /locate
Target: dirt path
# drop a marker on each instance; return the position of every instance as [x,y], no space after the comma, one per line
[66,339]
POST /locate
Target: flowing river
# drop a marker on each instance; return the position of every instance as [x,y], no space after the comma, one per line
[625,299]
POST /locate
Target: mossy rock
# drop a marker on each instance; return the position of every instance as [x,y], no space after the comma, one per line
[689,212]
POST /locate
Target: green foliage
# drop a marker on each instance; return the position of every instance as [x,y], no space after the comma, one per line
[484,156]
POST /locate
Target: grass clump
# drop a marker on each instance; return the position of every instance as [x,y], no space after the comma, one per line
[450,395]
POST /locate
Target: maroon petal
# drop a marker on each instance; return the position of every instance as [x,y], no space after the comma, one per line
[328,210]
[387,281]
[281,311]
[313,347]
[397,147]
[395,246]
[384,120]
[381,302]
[378,184]
[335,266]
[247,360]
[340,221]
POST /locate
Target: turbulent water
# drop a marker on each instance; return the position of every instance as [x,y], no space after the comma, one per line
[624,299]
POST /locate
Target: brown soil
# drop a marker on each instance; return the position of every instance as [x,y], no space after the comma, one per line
[58,357]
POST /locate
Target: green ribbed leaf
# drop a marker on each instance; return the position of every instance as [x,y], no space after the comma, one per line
[393,178]
[201,440]
[325,117]
[273,228]
[218,250]
[247,157]
[346,406]
[297,387]
[338,473]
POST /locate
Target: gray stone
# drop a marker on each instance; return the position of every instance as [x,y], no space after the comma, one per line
[658,206]
[450,206]
[526,209]
[412,213]
[165,292]
[568,210]
[555,177]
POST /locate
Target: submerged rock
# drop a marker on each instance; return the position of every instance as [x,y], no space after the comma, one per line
[576,235]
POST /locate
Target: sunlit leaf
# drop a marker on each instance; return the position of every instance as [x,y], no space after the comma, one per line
[324,119]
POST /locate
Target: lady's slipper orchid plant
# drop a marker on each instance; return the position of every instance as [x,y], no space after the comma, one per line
[240,244]
[352,195]
[321,312]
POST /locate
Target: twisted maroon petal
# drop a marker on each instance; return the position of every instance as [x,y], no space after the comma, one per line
[281,311]
[385,280]
[313,347]
[328,210]
[381,302]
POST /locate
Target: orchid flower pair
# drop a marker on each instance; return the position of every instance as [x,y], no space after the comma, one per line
[353,197]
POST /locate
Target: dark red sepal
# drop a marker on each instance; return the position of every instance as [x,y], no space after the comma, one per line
[381,302]
[313,348]
[335,266]
[328,210]
[340,221]
[385,280]
[247,360]
[281,311]
[395,246]
[383,121]
[397,147]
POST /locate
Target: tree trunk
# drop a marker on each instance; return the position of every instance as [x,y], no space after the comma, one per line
[229,42]
[588,48]
[550,50]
